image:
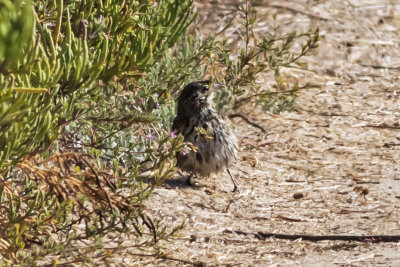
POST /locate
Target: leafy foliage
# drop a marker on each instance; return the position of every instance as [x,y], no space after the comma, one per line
[72,48]
[238,73]
[60,78]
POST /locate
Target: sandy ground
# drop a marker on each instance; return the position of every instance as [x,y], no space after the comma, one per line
[339,149]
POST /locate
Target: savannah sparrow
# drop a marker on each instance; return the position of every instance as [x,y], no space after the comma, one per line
[201,125]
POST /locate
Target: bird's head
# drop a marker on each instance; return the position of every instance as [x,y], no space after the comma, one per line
[193,98]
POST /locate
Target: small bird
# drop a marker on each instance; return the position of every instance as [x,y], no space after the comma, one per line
[216,145]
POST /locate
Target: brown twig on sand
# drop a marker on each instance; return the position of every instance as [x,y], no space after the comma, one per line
[380,67]
[383,126]
[314,238]
[247,120]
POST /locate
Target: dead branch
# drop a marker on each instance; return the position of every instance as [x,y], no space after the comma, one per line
[383,126]
[247,120]
[315,238]
[380,67]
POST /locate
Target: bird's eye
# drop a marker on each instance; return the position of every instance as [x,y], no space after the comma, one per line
[205,89]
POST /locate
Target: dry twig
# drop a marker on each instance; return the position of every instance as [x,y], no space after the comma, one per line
[315,238]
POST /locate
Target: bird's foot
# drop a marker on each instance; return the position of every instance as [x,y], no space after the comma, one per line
[190,182]
[235,187]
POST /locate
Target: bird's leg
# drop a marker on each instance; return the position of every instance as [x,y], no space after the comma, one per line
[235,187]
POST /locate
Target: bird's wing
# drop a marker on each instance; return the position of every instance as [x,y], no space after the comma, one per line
[174,124]
[177,124]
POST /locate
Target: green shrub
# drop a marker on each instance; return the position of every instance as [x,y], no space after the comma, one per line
[63,74]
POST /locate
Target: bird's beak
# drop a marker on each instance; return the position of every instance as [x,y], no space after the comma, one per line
[217,85]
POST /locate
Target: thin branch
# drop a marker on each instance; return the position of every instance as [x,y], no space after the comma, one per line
[247,120]
[383,126]
[315,238]
[57,30]
[227,24]
[380,67]
[294,10]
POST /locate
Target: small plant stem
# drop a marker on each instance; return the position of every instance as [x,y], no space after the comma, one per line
[247,27]
[57,30]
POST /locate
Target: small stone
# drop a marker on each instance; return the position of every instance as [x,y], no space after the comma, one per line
[298,195]
[193,238]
